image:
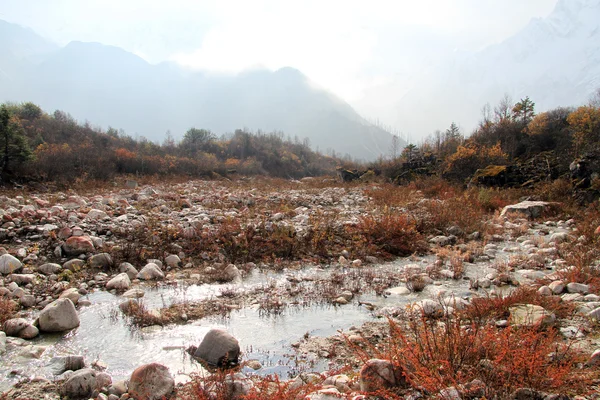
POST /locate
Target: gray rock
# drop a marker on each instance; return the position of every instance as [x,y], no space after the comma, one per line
[9,264]
[23,279]
[27,301]
[530,315]
[173,261]
[58,316]
[531,209]
[58,365]
[557,287]
[101,261]
[129,270]
[574,287]
[81,384]
[95,214]
[381,374]
[20,327]
[232,274]
[134,293]
[150,272]
[49,268]
[2,342]
[74,265]
[218,349]
[119,282]
[71,294]
[151,382]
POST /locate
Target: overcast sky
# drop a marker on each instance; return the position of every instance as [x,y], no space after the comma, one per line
[346,46]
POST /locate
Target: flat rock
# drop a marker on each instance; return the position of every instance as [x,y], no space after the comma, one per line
[530,315]
[531,209]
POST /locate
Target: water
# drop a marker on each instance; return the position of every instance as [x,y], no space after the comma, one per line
[105,335]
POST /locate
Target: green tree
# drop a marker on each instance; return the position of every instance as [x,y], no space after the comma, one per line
[524,110]
[195,141]
[13,142]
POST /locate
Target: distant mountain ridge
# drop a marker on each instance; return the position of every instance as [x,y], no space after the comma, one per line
[110,86]
[553,60]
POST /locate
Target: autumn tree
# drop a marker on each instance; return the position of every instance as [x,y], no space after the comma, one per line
[550,131]
[585,122]
[13,143]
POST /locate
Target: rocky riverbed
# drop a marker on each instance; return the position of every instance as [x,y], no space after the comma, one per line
[95,287]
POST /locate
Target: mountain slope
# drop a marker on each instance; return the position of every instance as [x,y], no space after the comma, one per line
[555,61]
[109,86]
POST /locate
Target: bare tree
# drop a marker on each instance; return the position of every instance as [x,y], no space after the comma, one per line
[595,98]
[394,147]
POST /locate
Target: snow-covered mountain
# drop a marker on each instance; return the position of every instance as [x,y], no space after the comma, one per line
[553,60]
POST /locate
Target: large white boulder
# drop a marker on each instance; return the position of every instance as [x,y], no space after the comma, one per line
[59,316]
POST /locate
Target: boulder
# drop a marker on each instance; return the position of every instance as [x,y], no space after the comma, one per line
[119,282]
[94,214]
[23,279]
[74,265]
[232,274]
[49,268]
[101,261]
[151,382]
[71,294]
[173,261]
[76,245]
[428,308]
[9,264]
[2,342]
[218,349]
[530,315]
[20,327]
[150,272]
[80,384]
[58,365]
[381,374]
[530,209]
[134,293]
[574,287]
[129,270]
[58,316]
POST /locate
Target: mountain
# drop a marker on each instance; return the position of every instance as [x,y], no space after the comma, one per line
[110,86]
[553,60]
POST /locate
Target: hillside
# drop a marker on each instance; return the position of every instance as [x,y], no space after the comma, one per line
[110,86]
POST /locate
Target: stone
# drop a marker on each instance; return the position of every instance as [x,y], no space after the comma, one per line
[58,316]
[237,385]
[379,374]
[102,261]
[574,287]
[594,314]
[557,287]
[325,394]
[151,382]
[231,273]
[428,308]
[218,349]
[134,293]
[129,270]
[66,363]
[594,358]
[49,268]
[173,261]
[398,291]
[74,265]
[530,209]
[150,272]
[9,264]
[119,282]
[530,315]
[81,384]
[94,214]
[20,327]
[76,245]
[27,300]
[71,294]
[23,279]
[2,342]
[545,291]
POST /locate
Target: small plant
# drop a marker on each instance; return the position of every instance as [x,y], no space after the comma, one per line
[8,310]
[416,283]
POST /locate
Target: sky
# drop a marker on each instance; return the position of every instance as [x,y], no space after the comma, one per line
[345,46]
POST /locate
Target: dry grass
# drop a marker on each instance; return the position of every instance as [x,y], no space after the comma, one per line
[8,310]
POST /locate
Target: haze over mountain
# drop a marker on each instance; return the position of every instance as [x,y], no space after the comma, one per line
[109,86]
[553,60]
